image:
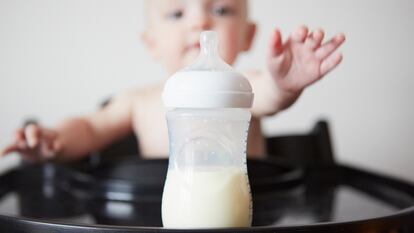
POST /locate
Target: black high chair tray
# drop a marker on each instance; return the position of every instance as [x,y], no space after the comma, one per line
[125,196]
[134,179]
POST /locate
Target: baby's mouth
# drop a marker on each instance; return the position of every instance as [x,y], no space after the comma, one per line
[193,46]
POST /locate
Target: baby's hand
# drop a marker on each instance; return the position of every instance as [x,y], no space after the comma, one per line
[34,143]
[302,59]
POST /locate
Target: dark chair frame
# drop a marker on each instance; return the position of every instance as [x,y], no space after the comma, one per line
[309,149]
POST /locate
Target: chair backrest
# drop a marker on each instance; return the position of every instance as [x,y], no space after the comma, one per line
[123,147]
[310,149]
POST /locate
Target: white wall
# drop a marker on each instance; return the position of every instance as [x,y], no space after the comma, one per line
[61,58]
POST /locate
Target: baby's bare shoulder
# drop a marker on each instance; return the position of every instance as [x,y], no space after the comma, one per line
[253,73]
[141,93]
[144,97]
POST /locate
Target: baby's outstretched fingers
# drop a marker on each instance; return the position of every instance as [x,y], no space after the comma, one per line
[9,149]
[330,63]
[18,144]
[19,135]
[17,147]
[315,39]
[300,34]
[276,46]
[50,146]
[329,47]
[33,135]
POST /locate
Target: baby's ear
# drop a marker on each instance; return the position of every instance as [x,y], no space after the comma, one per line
[149,43]
[249,36]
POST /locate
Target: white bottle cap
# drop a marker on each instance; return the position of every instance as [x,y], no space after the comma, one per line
[209,82]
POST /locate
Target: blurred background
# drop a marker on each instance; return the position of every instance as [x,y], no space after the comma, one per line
[62,58]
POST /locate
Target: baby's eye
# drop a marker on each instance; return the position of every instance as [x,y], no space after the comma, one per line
[222,10]
[175,15]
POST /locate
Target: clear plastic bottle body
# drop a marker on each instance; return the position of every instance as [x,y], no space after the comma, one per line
[207,183]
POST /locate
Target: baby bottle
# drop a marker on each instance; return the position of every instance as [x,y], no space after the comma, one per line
[208,119]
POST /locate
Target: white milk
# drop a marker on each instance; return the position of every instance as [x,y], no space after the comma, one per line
[217,197]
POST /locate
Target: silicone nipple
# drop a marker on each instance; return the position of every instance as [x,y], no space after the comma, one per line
[209,58]
[209,43]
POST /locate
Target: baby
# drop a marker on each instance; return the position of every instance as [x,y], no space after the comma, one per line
[171,37]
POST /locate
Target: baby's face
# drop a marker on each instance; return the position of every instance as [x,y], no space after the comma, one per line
[174,27]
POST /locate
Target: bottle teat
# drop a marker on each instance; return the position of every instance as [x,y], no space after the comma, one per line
[209,43]
[209,58]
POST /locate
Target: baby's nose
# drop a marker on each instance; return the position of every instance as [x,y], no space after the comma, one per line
[200,21]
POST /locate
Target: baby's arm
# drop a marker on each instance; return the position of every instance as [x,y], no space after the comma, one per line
[75,137]
[97,130]
[293,65]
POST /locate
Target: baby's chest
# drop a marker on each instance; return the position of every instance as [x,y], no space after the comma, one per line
[150,126]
